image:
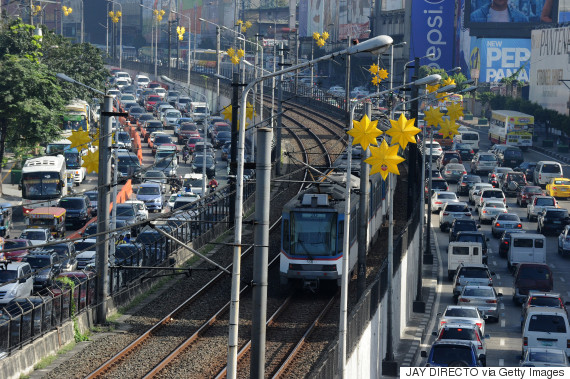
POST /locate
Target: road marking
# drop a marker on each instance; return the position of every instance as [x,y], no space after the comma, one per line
[552,265]
[494,263]
[562,279]
[502,342]
[502,323]
[501,362]
[502,306]
[498,276]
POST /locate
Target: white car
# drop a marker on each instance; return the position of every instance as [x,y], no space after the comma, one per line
[438,199]
[435,149]
[124,76]
[476,190]
[160,92]
[461,314]
[37,236]
[544,357]
[452,211]
[140,208]
[564,241]
[490,210]
[20,288]
[142,81]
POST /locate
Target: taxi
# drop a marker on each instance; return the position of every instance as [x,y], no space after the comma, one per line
[558,187]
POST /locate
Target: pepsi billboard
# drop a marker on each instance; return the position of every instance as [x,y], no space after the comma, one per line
[433,32]
[498,58]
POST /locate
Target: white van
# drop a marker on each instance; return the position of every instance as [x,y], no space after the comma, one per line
[22,282]
[468,137]
[547,328]
[546,170]
[526,248]
[463,252]
[199,111]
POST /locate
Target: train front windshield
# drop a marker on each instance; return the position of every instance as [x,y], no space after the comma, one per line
[313,233]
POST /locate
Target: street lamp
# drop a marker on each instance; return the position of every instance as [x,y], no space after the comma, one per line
[375,45]
[217,54]
[157,16]
[117,17]
[187,55]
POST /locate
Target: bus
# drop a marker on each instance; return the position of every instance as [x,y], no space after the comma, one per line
[76,117]
[44,182]
[512,128]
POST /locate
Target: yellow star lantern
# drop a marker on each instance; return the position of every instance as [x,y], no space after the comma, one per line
[235,59]
[231,52]
[248,24]
[376,80]
[320,42]
[403,131]
[448,82]
[66,10]
[239,22]
[455,111]
[111,14]
[240,53]
[384,159]
[91,162]
[433,116]
[325,35]
[382,73]
[364,132]
[316,36]
[79,138]
[250,111]
[432,88]
[243,29]
[227,113]
[448,128]
[374,69]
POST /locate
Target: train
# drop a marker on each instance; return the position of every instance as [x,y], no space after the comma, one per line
[312,230]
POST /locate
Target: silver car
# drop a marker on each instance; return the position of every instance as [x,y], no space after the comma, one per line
[452,172]
[505,221]
[544,357]
[485,298]
[462,313]
[438,200]
[452,211]
[471,274]
[475,191]
[490,210]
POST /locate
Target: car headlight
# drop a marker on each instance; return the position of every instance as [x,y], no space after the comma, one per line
[13,292]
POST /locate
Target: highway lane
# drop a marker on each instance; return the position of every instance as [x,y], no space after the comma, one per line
[505,343]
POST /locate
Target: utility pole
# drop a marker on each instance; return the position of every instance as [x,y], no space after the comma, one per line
[297,59]
[261,251]
[413,147]
[363,216]
[104,179]
[233,145]
[279,117]
[169,44]
[217,63]
[347,84]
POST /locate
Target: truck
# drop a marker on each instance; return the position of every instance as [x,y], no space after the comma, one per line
[512,128]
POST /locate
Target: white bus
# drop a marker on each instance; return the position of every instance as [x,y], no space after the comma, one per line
[44,182]
[512,128]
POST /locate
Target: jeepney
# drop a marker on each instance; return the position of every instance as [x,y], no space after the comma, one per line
[48,217]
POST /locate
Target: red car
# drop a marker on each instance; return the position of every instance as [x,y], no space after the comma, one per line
[187,130]
[527,193]
[84,282]
[151,101]
[191,143]
[220,127]
[16,255]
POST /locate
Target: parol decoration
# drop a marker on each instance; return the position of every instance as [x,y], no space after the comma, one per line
[384,159]
[433,116]
[455,111]
[403,131]
[227,113]
[432,88]
[91,161]
[449,128]
[364,132]
[448,82]
[374,68]
[250,111]
[382,73]
[79,138]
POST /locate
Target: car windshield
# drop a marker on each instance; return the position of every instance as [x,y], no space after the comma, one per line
[38,262]
[456,208]
[92,195]
[148,238]
[125,251]
[187,126]
[85,245]
[91,229]
[547,324]
[8,275]
[149,191]
[513,154]
[461,312]
[494,205]
[438,184]
[14,244]
[162,139]
[72,203]
[455,167]
[33,235]
[551,169]
[446,354]
[224,135]
[533,190]
[465,226]
[545,301]
[564,182]
[556,214]
[458,334]
[199,159]
[472,178]
[473,272]
[446,196]
[534,273]
[61,250]
[508,217]
[547,357]
[470,137]
[487,158]
[172,114]
[123,137]
[544,201]
[470,238]
[496,194]
[154,174]
[478,292]
[125,211]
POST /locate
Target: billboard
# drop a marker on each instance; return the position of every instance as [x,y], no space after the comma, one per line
[508,18]
[318,16]
[353,18]
[550,65]
[433,31]
[498,58]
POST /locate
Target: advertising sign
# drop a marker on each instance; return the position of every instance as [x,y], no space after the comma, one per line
[318,16]
[433,32]
[550,66]
[499,58]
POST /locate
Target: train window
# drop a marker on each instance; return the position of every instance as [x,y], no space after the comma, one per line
[313,233]
[340,236]
[286,236]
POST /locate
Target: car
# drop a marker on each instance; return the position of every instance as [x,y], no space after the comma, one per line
[435,173]
[546,327]
[440,198]
[461,314]
[527,193]
[123,140]
[477,237]
[542,299]
[37,236]
[219,127]
[135,112]
[128,213]
[170,117]
[188,130]
[453,211]
[465,332]
[222,138]
[152,126]
[564,241]
[66,255]
[464,149]
[226,151]
[539,204]
[160,139]
[467,182]
[558,187]
[552,221]
[15,281]
[434,149]
[151,194]
[93,199]
[544,357]
[471,274]
[546,170]
[490,210]
[462,225]
[128,254]
[527,168]
[142,81]
[45,267]
[150,101]
[172,97]
[448,157]
[199,161]
[156,176]
[140,207]
[512,183]
[505,241]
[485,298]
[155,245]
[182,103]
[83,282]
[449,353]
[476,190]
[78,209]
[437,185]
[483,162]
[496,148]
[505,221]
[494,177]
[531,277]
[452,172]
[490,194]
[167,163]
[512,156]
[16,255]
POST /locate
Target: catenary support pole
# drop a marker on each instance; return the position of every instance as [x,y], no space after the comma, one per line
[104,179]
[113,223]
[233,145]
[279,117]
[261,250]
[363,215]
[217,62]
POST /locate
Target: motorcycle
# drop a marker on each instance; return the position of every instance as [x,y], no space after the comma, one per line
[185,155]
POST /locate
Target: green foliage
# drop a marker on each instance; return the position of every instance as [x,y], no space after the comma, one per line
[18,39]
[458,76]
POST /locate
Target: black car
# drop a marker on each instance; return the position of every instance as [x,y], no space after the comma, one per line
[465,151]
[45,267]
[505,241]
[437,185]
[552,220]
[527,168]
[510,157]
[66,255]
[222,138]
[198,162]
[127,254]
[475,237]
[154,245]
[466,182]
[78,209]
[462,225]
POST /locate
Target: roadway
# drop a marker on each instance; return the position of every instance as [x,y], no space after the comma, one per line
[504,346]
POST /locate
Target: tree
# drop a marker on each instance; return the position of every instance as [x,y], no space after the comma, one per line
[458,76]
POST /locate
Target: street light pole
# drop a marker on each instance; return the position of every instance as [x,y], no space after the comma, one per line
[218,57]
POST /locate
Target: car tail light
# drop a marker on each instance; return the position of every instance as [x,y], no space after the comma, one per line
[442,322]
[525,341]
[492,175]
[519,226]
[506,242]
[447,172]
[463,300]
[438,202]
[472,152]
[446,213]
[484,211]
[539,177]
[491,301]
[467,213]
[464,172]
[479,324]
[497,224]
[463,184]
[554,188]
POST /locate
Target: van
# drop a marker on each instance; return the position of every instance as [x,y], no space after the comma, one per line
[546,170]
[199,111]
[526,248]
[546,327]
[531,277]
[462,252]
[469,138]
[22,281]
